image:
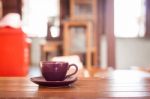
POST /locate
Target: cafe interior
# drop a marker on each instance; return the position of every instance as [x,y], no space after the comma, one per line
[99,36]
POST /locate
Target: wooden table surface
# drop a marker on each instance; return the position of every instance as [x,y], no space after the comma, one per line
[120,84]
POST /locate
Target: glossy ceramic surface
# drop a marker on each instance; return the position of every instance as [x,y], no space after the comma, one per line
[42,82]
[56,71]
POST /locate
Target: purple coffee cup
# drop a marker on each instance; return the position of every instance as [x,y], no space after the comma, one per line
[56,71]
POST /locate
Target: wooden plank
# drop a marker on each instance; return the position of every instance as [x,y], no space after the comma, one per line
[112,87]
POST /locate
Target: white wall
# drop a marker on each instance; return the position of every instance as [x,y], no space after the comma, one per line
[132,52]
[36,50]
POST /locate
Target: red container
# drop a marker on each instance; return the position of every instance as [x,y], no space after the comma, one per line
[14,52]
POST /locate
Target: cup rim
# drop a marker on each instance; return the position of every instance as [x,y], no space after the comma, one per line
[53,62]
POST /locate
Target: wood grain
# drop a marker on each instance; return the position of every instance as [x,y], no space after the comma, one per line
[120,84]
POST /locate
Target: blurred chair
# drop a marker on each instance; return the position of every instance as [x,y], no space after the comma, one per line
[49,49]
[14,49]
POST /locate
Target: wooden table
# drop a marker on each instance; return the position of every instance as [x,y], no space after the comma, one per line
[120,84]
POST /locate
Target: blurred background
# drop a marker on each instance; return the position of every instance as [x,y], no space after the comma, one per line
[103,33]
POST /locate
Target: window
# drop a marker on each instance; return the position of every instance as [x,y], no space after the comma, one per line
[129,20]
[35,16]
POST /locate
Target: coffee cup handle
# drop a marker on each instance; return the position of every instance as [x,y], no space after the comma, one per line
[76,67]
